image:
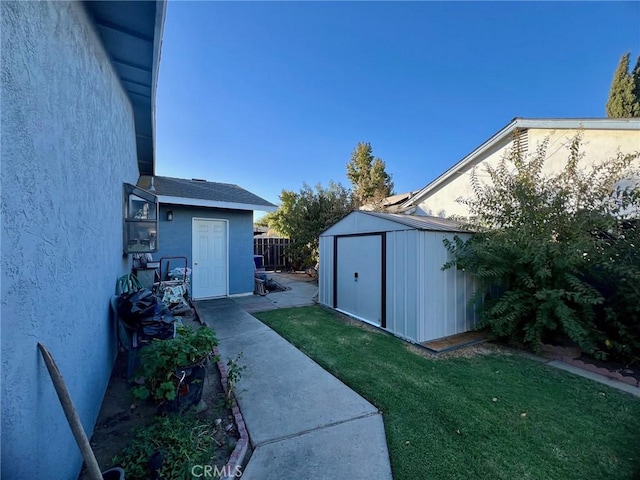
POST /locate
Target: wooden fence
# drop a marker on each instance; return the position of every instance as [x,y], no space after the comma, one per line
[274,252]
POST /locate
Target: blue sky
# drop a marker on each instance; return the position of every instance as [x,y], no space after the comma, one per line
[269,95]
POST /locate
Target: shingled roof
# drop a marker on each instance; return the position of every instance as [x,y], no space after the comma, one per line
[182,191]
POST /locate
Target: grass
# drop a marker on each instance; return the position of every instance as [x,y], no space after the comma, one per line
[441,419]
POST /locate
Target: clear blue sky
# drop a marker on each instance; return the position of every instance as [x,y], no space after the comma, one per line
[270,95]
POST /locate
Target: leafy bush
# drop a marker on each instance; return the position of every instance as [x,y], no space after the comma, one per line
[182,441]
[556,255]
[304,215]
[162,359]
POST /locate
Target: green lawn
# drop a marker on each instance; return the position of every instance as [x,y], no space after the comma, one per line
[440,417]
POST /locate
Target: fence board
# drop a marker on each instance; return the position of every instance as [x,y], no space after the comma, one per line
[274,252]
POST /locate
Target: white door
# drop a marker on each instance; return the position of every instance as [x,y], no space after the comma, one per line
[209,276]
[359,277]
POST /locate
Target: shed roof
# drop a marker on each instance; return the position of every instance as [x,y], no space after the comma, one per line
[475,157]
[360,221]
[421,222]
[195,192]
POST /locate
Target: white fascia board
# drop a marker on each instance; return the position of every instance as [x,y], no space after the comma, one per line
[521,123]
[161,14]
[196,202]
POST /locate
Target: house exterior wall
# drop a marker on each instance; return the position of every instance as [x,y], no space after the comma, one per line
[596,144]
[175,239]
[423,302]
[68,144]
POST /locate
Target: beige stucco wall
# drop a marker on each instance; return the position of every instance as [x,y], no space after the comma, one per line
[596,145]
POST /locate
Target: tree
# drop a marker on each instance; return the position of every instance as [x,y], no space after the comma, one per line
[556,255]
[304,215]
[624,94]
[369,180]
[635,74]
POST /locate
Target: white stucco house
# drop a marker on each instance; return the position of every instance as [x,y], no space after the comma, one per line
[602,138]
[78,94]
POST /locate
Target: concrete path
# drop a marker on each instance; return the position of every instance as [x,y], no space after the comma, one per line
[299,293]
[624,387]
[303,422]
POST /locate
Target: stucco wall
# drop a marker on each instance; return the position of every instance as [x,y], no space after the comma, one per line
[68,145]
[597,145]
[175,238]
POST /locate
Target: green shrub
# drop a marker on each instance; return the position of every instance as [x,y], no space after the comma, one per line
[161,361]
[182,440]
[554,255]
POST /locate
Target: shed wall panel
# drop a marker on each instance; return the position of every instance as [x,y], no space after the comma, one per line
[446,293]
[402,283]
[325,275]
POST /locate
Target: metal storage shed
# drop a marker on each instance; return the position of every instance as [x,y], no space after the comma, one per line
[386,269]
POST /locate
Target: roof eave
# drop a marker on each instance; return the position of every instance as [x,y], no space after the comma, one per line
[520,123]
[196,202]
[161,12]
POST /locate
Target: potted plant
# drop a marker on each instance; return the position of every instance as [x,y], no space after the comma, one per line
[174,369]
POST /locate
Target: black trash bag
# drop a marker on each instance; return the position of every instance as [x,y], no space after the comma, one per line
[147,315]
[160,326]
[134,306]
[190,390]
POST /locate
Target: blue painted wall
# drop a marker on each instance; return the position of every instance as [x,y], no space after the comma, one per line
[175,238]
[68,144]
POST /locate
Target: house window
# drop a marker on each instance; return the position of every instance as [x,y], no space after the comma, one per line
[140,221]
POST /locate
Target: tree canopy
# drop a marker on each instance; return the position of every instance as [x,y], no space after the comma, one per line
[624,94]
[370,183]
[304,215]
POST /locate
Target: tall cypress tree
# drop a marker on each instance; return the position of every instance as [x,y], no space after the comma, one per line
[622,102]
[367,174]
[635,75]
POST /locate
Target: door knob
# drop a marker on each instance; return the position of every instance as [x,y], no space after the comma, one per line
[195,263]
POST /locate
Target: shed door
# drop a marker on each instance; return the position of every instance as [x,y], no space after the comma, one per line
[359,277]
[209,258]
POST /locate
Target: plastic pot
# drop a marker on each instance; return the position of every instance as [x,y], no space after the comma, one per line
[115,473]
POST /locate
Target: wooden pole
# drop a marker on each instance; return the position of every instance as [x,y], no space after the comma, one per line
[72,415]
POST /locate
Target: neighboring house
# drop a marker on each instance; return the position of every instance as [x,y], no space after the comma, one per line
[78,94]
[211,224]
[601,139]
[389,204]
[386,269]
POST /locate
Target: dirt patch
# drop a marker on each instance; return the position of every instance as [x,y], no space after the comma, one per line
[120,415]
[468,351]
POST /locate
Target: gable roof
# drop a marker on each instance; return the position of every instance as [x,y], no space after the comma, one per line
[363,221]
[476,156]
[131,33]
[420,222]
[202,193]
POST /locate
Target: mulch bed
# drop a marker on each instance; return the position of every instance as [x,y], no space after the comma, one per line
[121,414]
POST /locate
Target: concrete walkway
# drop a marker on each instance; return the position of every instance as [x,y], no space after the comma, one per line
[303,423]
[299,293]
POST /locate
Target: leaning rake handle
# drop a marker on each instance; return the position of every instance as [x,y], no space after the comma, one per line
[72,414]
